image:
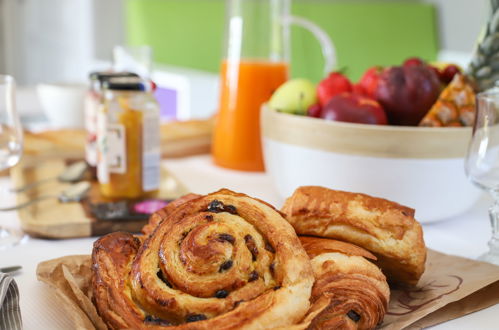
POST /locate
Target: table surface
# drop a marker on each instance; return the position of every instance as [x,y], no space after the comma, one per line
[465,235]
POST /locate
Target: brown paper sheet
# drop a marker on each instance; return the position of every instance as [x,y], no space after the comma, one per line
[451,287]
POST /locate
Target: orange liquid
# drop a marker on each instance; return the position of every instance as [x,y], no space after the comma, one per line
[245,86]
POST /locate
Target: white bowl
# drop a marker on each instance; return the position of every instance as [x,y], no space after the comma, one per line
[63,104]
[420,167]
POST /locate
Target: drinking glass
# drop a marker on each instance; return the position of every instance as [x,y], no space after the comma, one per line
[482,161]
[11,142]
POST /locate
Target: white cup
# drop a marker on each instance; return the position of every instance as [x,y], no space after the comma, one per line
[63,104]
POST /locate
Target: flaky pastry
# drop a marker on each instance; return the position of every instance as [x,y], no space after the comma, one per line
[220,261]
[385,228]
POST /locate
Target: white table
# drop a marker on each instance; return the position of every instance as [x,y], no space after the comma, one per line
[465,235]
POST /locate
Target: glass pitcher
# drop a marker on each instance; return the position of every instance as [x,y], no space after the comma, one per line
[255,64]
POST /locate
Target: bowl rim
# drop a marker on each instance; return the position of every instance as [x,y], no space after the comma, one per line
[364,139]
[392,128]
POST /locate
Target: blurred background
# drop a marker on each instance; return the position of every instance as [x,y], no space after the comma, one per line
[62,41]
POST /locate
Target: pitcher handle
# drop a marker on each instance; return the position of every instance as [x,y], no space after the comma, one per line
[327,46]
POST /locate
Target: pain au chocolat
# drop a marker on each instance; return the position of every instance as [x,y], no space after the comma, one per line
[220,261]
[385,228]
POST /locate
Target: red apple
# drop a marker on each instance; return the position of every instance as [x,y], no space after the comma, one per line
[354,108]
[407,93]
[437,71]
[332,85]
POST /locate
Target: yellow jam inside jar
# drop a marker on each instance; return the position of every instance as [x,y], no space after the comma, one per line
[126,118]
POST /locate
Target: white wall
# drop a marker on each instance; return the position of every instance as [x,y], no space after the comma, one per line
[58,40]
[460,22]
[109,26]
[2,37]
[49,40]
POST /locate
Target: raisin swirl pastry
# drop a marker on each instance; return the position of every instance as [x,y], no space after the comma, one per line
[220,261]
[385,228]
[349,291]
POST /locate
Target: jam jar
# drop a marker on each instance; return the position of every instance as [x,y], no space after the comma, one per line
[128,140]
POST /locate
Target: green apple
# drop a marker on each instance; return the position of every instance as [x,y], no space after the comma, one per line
[294,96]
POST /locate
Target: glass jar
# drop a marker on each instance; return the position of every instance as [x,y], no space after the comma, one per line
[93,102]
[128,123]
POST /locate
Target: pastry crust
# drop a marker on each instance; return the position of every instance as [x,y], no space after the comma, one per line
[220,261]
[385,228]
[349,292]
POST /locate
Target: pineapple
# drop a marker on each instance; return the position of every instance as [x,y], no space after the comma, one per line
[455,105]
[484,65]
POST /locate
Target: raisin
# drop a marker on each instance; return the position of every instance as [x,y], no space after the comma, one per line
[225,266]
[231,209]
[269,247]
[226,237]
[217,206]
[209,217]
[272,268]
[253,276]
[251,245]
[152,320]
[221,294]
[195,318]
[277,287]
[353,315]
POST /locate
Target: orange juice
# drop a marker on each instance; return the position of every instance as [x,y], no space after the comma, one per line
[245,85]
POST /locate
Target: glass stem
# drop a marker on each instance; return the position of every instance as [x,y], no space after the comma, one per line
[494,221]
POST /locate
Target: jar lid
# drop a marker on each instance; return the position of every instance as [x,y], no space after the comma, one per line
[104,75]
[124,84]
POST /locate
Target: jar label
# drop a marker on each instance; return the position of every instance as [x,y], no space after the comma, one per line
[111,149]
[92,105]
[116,152]
[151,157]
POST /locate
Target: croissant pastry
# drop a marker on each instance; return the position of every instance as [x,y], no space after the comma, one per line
[349,292]
[385,228]
[220,261]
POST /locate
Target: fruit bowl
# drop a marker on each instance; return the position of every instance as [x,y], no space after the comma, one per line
[421,167]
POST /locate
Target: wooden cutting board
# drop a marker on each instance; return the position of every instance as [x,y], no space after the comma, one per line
[52,219]
[47,153]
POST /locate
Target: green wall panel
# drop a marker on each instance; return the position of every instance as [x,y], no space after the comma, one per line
[190,33]
[182,32]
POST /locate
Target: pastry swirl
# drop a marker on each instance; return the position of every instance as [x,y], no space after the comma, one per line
[220,261]
[349,291]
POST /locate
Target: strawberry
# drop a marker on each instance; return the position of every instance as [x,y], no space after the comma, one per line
[369,82]
[332,85]
[357,89]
